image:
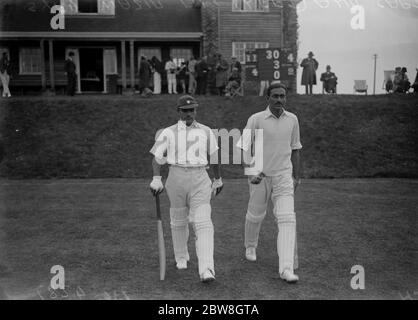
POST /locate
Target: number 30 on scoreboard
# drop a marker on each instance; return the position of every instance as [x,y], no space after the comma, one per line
[272,54]
[273,65]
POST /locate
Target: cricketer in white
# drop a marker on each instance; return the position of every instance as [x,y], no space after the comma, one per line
[186,147]
[278,180]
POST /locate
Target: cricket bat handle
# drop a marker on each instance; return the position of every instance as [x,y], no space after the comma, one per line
[161,245]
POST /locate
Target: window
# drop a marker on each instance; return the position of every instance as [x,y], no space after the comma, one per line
[239,48]
[180,55]
[149,53]
[250,5]
[110,63]
[30,60]
[89,7]
[4,49]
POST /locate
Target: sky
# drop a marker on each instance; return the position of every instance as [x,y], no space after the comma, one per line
[390,31]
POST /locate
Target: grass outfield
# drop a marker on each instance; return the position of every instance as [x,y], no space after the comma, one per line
[109,136]
[103,232]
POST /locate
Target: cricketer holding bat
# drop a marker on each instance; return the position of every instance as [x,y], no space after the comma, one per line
[278,180]
[186,147]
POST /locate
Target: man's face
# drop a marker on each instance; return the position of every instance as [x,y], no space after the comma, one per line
[187,115]
[277,99]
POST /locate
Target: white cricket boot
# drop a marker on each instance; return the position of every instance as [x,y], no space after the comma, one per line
[250,254]
[182,264]
[289,276]
[207,276]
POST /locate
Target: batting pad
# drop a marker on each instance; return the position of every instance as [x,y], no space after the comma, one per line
[286,222]
[252,228]
[204,237]
[180,232]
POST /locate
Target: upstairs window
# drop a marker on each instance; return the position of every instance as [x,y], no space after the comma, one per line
[89,7]
[239,49]
[250,5]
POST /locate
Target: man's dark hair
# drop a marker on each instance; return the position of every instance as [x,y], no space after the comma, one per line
[71,54]
[275,86]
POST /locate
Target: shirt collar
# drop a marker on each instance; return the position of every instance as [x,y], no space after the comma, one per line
[270,114]
[182,125]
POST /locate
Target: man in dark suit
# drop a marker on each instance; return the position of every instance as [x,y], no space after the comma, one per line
[70,69]
[202,69]
[330,81]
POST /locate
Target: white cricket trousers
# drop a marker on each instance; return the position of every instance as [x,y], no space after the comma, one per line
[157,83]
[189,191]
[281,191]
[263,87]
[192,83]
[172,83]
[5,78]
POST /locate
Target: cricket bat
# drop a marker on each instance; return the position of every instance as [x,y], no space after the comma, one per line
[161,245]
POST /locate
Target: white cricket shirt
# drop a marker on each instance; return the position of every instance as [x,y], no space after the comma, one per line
[279,137]
[185,146]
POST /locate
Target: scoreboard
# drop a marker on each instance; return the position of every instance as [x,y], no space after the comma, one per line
[251,72]
[275,64]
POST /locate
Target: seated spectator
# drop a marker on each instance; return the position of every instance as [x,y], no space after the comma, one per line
[234,82]
[329,80]
[401,81]
[182,75]
[235,64]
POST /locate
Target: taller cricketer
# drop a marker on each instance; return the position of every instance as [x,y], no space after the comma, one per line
[187,147]
[278,179]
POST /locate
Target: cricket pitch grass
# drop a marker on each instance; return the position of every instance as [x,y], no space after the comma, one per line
[103,232]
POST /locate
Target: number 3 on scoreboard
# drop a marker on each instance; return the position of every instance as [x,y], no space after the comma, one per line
[272,54]
[276,64]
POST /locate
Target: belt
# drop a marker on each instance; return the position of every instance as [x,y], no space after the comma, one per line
[188,168]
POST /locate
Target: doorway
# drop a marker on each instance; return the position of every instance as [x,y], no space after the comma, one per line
[91,70]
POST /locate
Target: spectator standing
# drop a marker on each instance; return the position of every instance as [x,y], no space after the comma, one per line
[144,76]
[202,70]
[405,80]
[309,65]
[182,75]
[191,67]
[415,84]
[170,68]
[157,69]
[5,74]
[221,69]
[70,69]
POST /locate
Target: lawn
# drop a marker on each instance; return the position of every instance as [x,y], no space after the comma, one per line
[343,136]
[103,232]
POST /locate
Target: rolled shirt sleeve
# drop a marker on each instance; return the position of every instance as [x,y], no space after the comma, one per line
[295,139]
[247,136]
[159,149]
[212,142]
